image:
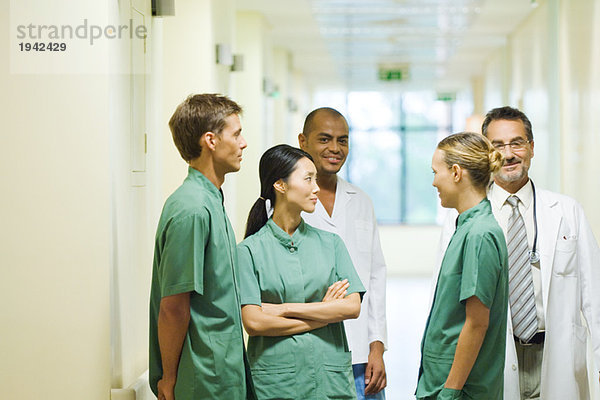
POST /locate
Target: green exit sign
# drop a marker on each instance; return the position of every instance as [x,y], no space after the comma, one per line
[446,96]
[391,75]
[393,72]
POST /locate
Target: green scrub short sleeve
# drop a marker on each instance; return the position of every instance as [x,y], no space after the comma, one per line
[248,283]
[182,262]
[345,269]
[481,269]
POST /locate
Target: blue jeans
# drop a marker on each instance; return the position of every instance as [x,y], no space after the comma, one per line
[359,382]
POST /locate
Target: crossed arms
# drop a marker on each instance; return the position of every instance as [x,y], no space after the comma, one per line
[292,318]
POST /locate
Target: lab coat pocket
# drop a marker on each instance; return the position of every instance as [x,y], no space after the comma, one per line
[338,380]
[274,376]
[566,243]
[364,235]
[564,256]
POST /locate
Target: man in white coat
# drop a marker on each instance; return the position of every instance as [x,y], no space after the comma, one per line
[344,209]
[565,273]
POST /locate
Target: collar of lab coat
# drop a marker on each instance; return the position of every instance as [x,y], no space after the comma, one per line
[343,194]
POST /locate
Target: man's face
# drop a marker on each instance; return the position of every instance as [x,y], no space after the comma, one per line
[517,161]
[229,145]
[327,143]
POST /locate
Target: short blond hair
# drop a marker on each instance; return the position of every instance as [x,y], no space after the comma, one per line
[473,152]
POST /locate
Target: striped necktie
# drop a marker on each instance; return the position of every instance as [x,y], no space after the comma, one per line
[520,284]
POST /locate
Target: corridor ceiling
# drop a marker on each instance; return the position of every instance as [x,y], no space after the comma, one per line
[344,43]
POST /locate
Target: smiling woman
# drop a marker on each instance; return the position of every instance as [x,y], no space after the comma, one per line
[295,279]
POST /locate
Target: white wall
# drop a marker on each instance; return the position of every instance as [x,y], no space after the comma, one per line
[247,90]
[55,243]
[187,67]
[133,200]
[301,95]
[580,103]
[410,250]
[282,125]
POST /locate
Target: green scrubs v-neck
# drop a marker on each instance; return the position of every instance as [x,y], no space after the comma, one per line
[475,264]
[275,267]
[195,252]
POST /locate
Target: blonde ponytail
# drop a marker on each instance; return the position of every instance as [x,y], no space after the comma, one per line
[496,160]
[473,152]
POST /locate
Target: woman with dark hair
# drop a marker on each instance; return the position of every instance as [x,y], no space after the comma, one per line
[464,340]
[297,285]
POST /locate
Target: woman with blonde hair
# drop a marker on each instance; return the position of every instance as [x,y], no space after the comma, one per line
[464,341]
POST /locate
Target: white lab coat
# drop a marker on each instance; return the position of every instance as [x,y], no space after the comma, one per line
[353,219]
[570,289]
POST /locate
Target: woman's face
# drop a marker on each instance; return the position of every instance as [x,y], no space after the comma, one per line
[301,186]
[443,180]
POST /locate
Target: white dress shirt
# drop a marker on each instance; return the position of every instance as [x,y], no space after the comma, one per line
[353,219]
[502,211]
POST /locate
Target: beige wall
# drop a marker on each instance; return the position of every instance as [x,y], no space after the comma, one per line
[188,56]
[131,203]
[247,89]
[55,240]
[281,77]
[580,104]
[410,250]
[56,229]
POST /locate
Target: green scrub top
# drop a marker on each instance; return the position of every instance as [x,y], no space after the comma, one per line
[195,252]
[278,268]
[475,264]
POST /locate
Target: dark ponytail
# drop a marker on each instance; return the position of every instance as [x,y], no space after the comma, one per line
[276,163]
[257,217]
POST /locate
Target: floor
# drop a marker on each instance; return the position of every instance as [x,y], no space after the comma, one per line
[407,311]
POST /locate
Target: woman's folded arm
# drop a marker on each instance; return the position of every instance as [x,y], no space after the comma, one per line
[324,311]
[260,323]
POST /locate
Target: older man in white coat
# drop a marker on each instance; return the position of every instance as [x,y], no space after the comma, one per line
[561,280]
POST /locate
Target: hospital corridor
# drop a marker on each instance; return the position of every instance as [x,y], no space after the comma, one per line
[93,115]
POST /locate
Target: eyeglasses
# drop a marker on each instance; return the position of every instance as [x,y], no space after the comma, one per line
[515,145]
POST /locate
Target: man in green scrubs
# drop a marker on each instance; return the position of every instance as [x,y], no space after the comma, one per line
[278,268]
[196,345]
[475,264]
